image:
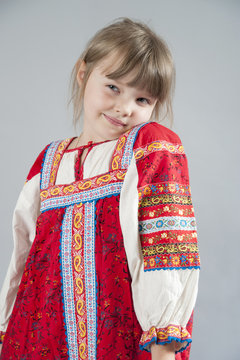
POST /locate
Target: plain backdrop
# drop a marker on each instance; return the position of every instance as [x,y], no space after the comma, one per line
[40,42]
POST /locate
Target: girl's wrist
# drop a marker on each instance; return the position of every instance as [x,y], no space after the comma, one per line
[163,352]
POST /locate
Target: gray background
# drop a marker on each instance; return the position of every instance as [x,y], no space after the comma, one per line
[40,42]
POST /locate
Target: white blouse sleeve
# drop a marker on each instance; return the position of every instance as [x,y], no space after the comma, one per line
[163,298]
[24,227]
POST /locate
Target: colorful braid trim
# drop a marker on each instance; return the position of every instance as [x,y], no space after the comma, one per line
[165,335]
[159,145]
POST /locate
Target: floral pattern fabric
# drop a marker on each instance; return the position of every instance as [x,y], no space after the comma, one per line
[36,327]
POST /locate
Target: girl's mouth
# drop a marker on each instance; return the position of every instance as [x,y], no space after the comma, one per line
[114,121]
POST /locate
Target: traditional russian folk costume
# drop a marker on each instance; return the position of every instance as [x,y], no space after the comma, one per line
[105,259]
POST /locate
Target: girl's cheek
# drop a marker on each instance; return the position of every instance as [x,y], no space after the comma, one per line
[107,95]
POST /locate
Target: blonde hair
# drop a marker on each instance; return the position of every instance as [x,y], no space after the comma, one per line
[140,50]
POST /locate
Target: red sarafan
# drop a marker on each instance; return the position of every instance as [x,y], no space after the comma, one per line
[36,327]
[112,239]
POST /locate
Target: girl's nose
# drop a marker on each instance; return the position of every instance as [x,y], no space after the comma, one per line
[123,107]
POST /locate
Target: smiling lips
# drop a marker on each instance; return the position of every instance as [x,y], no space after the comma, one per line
[114,121]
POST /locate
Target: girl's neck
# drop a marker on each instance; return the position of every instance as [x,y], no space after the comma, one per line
[83,141]
[90,135]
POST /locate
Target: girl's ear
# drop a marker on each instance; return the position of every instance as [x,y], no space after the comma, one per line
[81,72]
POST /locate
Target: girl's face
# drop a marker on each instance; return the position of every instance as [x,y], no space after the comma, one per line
[111,107]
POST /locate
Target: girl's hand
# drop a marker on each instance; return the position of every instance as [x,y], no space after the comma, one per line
[165,352]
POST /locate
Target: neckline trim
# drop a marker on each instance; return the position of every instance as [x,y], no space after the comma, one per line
[86,146]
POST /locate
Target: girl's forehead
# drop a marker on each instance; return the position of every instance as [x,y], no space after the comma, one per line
[109,63]
[112,63]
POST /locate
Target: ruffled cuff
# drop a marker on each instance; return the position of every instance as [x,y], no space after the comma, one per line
[2,334]
[165,335]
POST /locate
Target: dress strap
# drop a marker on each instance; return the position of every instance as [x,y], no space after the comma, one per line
[51,162]
[123,151]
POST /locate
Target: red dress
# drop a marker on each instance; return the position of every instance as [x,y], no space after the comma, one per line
[75,298]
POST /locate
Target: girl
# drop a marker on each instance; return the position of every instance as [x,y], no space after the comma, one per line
[105,263]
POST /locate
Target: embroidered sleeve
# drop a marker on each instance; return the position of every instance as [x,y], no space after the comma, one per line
[167,224]
[163,255]
[24,227]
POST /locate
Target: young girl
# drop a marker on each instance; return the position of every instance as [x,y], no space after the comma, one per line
[105,262]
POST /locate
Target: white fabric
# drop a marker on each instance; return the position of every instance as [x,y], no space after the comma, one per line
[98,160]
[66,172]
[24,228]
[161,297]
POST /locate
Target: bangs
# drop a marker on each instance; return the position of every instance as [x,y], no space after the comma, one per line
[147,72]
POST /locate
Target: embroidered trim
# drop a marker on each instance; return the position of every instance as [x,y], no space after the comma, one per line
[84,196]
[160,145]
[164,188]
[170,237]
[79,280]
[123,151]
[46,169]
[67,276]
[172,261]
[83,185]
[169,249]
[166,199]
[118,153]
[164,335]
[90,277]
[170,210]
[56,160]
[167,242]
[128,148]
[167,223]
[51,162]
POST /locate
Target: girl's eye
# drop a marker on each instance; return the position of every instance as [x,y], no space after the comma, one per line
[113,88]
[143,100]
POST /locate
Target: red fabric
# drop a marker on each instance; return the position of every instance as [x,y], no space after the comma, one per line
[154,131]
[78,165]
[78,168]
[36,327]
[118,330]
[162,166]
[36,168]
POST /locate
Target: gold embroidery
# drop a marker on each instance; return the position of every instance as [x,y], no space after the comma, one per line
[77,263]
[79,307]
[78,241]
[82,348]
